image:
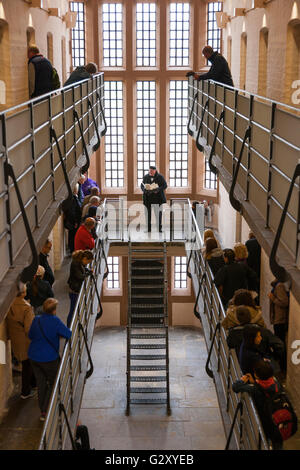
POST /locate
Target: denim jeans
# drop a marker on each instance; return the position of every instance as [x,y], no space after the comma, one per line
[73,299]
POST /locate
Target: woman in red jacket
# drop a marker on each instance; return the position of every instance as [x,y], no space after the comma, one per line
[84,239]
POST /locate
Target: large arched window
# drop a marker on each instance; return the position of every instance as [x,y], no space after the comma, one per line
[30,33]
[243,61]
[5,97]
[50,47]
[263,62]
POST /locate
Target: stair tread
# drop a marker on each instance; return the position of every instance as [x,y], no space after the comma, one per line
[149,401]
[148,336]
[147,368]
[148,277]
[148,378]
[147,305]
[147,357]
[148,346]
[148,315]
[147,296]
[146,268]
[147,326]
[146,286]
[148,389]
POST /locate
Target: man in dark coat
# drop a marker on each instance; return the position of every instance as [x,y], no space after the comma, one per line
[254,253]
[40,73]
[43,261]
[153,196]
[72,219]
[233,276]
[219,71]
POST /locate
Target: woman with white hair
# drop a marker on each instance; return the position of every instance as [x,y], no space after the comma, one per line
[38,290]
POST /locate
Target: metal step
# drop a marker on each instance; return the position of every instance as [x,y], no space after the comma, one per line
[148,336]
[147,368]
[147,277]
[147,296]
[147,268]
[148,346]
[146,357]
[149,378]
[150,401]
[148,315]
[153,250]
[147,305]
[147,326]
[146,286]
[148,390]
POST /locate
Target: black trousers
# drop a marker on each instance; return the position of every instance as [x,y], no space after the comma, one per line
[45,374]
[280,331]
[158,215]
[28,378]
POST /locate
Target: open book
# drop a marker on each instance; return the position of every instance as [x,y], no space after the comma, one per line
[149,187]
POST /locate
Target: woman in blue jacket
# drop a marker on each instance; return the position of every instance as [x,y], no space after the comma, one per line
[45,332]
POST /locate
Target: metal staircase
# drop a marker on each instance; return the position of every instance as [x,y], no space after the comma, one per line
[147,329]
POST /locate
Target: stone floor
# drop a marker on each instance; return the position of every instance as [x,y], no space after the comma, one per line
[195,422]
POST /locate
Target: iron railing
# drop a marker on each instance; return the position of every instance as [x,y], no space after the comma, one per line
[254,143]
[222,364]
[76,364]
[46,141]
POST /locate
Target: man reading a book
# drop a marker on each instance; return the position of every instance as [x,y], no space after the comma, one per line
[153,187]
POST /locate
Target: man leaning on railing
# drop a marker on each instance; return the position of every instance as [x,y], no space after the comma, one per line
[219,71]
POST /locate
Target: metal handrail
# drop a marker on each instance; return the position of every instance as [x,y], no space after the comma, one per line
[265,164]
[74,359]
[40,140]
[211,318]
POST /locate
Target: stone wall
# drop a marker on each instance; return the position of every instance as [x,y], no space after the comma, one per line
[282,67]
[29,24]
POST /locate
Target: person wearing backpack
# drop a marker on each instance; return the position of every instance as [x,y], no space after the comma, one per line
[45,333]
[276,413]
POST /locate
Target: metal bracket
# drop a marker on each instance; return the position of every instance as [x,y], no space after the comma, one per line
[280,272]
[238,409]
[207,368]
[198,145]
[105,259]
[235,202]
[63,411]
[196,313]
[28,272]
[97,145]
[85,167]
[91,369]
[99,314]
[189,260]
[102,133]
[191,114]
[212,167]
[65,205]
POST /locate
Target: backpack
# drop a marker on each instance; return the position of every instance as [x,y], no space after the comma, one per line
[82,439]
[279,409]
[55,80]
